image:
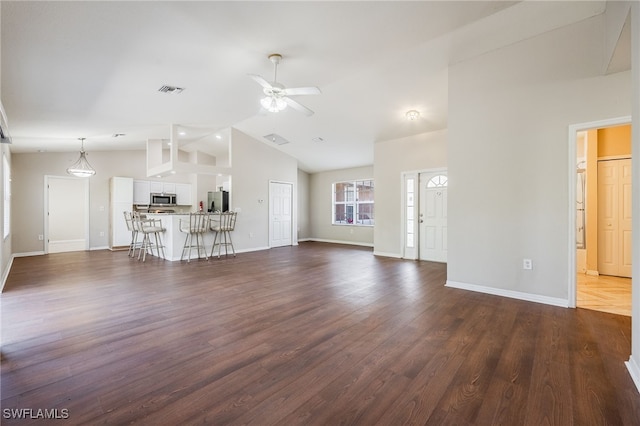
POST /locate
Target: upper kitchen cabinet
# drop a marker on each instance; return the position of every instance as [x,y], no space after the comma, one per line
[141,191]
[183,194]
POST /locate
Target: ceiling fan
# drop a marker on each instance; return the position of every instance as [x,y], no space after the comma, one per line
[277,96]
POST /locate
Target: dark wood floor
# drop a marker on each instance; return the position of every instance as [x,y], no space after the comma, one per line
[316,335]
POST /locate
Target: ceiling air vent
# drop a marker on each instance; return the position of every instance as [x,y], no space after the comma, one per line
[277,139]
[171,89]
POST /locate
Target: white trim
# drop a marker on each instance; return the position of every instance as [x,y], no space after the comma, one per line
[302,240]
[634,371]
[5,274]
[29,253]
[573,130]
[351,243]
[384,254]
[105,248]
[563,303]
[592,273]
[248,250]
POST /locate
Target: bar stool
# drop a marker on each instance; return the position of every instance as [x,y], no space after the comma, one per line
[149,227]
[222,224]
[133,245]
[197,226]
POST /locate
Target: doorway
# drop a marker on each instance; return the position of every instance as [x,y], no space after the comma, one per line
[601,184]
[425,215]
[280,214]
[67,214]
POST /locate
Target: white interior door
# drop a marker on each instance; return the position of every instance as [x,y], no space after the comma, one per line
[614,217]
[280,214]
[67,214]
[433,216]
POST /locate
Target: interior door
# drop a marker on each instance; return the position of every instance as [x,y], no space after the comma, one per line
[67,214]
[280,214]
[433,216]
[614,217]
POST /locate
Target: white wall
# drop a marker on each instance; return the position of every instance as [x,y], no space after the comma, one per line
[321,189]
[254,164]
[391,159]
[509,112]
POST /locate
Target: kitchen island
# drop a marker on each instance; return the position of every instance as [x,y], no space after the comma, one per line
[173,239]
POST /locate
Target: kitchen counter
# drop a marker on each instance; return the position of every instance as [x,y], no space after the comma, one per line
[173,239]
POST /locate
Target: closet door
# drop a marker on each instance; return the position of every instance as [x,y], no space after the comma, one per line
[614,217]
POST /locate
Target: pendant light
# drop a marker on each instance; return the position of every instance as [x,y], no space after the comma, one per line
[81,168]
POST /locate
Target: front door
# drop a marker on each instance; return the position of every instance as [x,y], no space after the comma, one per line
[67,214]
[614,217]
[280,214]
[433,216]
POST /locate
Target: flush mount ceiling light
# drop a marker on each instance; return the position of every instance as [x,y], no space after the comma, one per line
[81,168]
[412,115]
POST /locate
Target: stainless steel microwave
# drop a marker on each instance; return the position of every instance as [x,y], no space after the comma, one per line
[161,199]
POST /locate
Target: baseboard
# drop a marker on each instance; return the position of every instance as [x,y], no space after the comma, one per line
[350,243]
[634,371]
[5,273]
[248,250]
[563,303]
[302,240]
[592,273]
[383,254]
[105,248]
[27,254]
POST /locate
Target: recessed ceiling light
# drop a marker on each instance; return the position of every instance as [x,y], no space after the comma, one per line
[173,172]
[218,137]
[412,115]
[318,139]
[117,135]
[182,133]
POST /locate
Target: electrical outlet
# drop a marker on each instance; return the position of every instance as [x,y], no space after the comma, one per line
[40,237]
[527,264]
[250,234]
[102,233]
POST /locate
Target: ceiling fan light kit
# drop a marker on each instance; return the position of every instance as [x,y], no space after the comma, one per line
[412,115]
[81,168]
[277,96]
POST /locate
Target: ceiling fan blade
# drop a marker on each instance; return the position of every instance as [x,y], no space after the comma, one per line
[295,91]
[261,81]
[297,106]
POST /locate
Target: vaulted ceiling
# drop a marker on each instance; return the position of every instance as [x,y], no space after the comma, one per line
[93,69]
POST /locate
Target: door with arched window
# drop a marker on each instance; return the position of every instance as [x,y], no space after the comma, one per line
[433,216]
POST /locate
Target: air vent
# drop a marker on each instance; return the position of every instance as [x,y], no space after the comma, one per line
[276,139]
[171,89]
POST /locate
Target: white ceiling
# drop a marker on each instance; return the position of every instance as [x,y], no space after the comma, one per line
[93,69]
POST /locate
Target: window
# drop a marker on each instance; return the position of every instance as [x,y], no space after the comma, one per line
[353,203]
[6,180]
[438,181]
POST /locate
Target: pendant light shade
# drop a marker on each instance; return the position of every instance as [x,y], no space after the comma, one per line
[273,103]
[81,168]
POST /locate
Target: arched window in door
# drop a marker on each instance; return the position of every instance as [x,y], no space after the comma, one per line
[437,181]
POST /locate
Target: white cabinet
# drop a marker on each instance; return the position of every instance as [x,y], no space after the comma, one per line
[141,191]
[120,200]
[156,187]
[183,194]
[169,188]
